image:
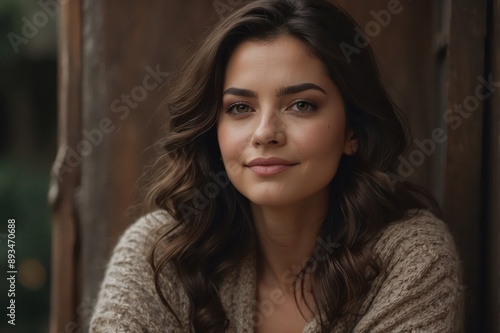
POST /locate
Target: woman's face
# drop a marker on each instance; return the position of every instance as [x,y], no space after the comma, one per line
[279,102]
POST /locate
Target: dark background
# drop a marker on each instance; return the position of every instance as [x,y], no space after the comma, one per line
[28,132]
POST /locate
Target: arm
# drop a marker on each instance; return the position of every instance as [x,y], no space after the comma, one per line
[420,288]
[127,299]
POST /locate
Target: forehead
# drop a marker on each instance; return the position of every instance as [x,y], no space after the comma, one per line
[284,58]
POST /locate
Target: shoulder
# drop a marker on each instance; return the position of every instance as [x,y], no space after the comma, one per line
[418,231]
[419,247]
[132,252]
[148,226]
[127,299]
[139,237]
[419,287]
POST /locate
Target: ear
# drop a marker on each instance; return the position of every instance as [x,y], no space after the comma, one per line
[351,144]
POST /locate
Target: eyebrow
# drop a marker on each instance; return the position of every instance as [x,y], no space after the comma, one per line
[279,93]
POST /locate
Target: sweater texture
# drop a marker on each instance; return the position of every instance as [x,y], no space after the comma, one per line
[419,288]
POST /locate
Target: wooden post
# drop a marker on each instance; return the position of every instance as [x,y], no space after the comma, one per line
[494,176]
[464,118]
[65,177]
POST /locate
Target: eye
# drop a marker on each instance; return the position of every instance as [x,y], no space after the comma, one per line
[237,109]
[305,106]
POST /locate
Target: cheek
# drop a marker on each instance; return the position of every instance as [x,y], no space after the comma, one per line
[322,148]
[231,143]
[321,140]
[228,139]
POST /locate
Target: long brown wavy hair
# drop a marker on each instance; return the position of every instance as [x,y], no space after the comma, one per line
[214,229]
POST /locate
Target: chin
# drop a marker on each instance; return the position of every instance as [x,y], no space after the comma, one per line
[269,203]
[270,200]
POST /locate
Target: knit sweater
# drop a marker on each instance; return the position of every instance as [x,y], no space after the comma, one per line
[418,290]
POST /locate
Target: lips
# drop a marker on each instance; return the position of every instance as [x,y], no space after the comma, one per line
[269,166]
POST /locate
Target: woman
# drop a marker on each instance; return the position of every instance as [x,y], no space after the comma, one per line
[278,206]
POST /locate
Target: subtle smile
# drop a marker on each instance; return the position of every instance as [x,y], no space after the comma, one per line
[269,166]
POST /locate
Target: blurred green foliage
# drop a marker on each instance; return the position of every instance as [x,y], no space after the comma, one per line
[23,193]
[28,110]
[11,12]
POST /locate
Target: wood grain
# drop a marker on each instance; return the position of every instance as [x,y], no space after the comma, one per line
[462,200]
[65,176]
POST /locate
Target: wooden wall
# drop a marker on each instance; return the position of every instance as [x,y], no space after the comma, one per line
[492,183]
[115,58]
[465,156]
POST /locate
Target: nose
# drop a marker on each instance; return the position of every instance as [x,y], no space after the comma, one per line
[269,131]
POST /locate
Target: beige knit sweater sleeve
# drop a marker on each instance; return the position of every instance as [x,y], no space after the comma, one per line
[127,300]
[420,289]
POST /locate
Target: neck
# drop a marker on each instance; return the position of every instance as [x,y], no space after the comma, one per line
[287,237]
